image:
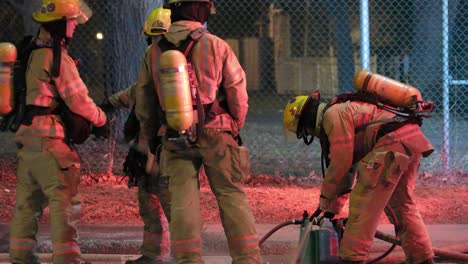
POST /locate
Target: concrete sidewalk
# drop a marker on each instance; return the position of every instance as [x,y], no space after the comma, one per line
[115,244]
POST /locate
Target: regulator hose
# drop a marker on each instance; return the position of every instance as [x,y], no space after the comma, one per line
[276,228]
[382,236]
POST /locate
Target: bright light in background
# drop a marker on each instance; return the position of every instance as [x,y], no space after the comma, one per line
[99,36]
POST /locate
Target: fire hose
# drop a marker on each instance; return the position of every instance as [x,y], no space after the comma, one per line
[449,254]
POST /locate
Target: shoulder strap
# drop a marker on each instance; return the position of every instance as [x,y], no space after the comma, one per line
[186,45]
[198,33]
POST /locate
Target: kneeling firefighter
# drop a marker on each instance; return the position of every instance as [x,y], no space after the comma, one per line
[384,145]
[201,87]
[141,165]
[48,171]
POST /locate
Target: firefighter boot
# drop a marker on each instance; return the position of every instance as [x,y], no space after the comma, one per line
[147,260]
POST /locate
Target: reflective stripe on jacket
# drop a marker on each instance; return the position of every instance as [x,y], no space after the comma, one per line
[347,147]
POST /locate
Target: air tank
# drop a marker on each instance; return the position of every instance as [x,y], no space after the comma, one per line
[388,90]
[175,90]
[8,56]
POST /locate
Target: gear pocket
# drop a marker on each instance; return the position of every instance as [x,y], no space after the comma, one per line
[397,164]
[244,160]
[370,169]
[240,163]
[66,157]
[384,168]
[69,164]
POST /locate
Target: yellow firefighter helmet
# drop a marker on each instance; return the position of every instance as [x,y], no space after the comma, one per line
[293,113]
[7,63]
[52,10]
[158,22]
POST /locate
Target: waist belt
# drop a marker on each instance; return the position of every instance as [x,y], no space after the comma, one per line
[34,110]
[390,127]
[211,110]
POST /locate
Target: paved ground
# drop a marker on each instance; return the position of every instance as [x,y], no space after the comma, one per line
[115,244]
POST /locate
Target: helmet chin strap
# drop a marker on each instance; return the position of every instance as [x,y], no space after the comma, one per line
[308,139]
[318,122]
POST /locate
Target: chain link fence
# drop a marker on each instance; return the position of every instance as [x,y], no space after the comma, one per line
[287,48]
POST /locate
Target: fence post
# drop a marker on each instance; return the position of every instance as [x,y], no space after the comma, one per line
[365,43]
[446,83]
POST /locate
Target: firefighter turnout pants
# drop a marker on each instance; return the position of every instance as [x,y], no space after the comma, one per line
[219,153]
[154,209]
[48,173]
[386,176]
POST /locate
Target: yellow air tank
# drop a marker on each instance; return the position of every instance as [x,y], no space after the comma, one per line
[7,63]
[175,90]
[393,92]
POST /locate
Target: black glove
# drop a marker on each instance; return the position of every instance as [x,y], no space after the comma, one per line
[131,126]
[102,131]
[134,167]
[107,107]
[328,215]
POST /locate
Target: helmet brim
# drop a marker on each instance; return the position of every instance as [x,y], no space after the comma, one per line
[84,14]
[40,17]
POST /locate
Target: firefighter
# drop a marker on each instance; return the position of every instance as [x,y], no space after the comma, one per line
[48,171]
[386,156]
[153,193]
[213,108]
